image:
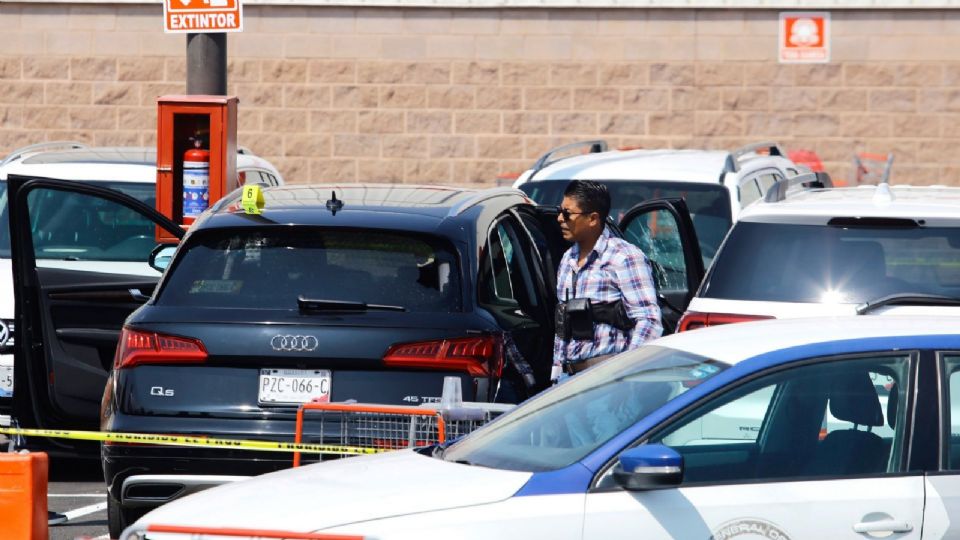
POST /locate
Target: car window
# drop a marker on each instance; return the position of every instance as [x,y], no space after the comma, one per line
[953,371]
[749,192]
[824,264]
[272,268]
[72,226]
[832,418]
[767,180]
[507,268]
[564,425]
[709,204]
[658,236]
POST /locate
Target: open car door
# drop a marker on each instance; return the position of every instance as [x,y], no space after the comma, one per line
[80,266]
[662,228]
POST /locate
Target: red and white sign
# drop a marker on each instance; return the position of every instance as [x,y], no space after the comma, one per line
[200,16]
[804,37]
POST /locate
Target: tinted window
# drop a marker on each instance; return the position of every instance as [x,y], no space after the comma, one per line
[953,370]
[826,419]
[508,272]
[91,228]
[709,205]
[816,263]
[564,425]
[271,268]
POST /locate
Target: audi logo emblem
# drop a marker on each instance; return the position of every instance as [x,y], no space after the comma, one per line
[289,343]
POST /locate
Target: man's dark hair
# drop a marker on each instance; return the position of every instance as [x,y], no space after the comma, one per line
[590,196]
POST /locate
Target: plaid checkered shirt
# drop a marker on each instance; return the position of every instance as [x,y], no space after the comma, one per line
[614,270]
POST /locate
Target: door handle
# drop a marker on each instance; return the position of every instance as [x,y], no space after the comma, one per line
[882,526]
[137,295]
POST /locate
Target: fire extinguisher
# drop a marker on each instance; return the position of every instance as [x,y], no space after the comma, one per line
[196,179]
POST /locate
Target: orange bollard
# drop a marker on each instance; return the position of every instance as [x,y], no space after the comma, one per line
[23,496]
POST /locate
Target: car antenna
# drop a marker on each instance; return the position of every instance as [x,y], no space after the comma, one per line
[334,205]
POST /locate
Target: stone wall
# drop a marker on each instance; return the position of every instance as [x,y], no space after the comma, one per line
[462,96]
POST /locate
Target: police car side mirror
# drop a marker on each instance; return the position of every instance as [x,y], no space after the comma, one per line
[160,257]
[649,466]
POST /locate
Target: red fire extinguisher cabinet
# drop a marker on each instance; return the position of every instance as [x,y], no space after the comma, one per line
[180,121]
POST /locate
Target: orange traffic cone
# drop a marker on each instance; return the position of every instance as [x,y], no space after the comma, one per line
[23,496]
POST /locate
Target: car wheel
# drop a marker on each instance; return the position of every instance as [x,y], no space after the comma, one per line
[118,517]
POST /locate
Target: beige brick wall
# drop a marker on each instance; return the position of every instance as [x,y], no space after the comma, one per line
[460,96]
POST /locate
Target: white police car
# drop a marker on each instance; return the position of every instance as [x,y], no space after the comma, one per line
[720,433]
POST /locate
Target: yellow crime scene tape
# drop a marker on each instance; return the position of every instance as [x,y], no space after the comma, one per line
[179,440]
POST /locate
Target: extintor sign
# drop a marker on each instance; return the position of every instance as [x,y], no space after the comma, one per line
[199,16]
[804,37]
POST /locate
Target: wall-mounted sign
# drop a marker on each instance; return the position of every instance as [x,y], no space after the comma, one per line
[804,37]
[200,16]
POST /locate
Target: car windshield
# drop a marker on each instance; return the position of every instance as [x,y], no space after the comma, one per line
[55,218]
[834,264]
[313,268]
[709,204]
[564,425]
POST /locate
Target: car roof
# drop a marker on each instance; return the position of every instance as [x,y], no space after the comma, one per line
[733,343]
[300,203]
[106,164]
[705,166]
[816,206]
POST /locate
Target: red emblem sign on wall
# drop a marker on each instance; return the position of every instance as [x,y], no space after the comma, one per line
[804,37]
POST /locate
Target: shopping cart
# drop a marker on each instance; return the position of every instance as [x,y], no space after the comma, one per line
[384,427]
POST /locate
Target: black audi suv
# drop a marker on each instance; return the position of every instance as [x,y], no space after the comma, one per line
[364,292]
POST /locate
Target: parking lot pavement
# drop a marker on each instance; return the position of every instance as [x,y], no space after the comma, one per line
[76,489]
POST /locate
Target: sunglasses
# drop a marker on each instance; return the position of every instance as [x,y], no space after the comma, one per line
[567,213]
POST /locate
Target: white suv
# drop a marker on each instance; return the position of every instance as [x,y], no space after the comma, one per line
[716,185]
[836,251]
[131,170]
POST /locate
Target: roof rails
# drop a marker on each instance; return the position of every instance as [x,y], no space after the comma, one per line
[594,147]
[778,191]
[481,196]
[51,145]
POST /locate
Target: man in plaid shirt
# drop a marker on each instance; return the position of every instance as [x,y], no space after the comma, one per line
[604,269]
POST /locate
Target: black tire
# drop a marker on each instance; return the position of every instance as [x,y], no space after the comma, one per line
[118,517]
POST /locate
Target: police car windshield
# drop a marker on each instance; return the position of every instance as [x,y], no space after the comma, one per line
[564,425]
[709,204]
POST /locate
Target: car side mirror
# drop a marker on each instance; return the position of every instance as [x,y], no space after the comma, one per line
[649,466]
[160,257]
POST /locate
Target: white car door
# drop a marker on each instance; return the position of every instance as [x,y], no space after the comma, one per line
[814,451]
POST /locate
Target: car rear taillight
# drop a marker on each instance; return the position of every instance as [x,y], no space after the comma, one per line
[136,347]
[480,356]
[692,320]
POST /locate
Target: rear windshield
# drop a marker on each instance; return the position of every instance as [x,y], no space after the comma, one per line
[709,204]
[817,263]
[270,269]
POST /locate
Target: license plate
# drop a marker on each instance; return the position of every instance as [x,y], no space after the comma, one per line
[6,381]
[293,386]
